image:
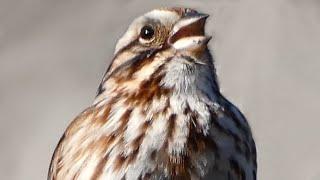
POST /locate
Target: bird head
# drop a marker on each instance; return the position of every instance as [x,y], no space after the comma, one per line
[181,30]
[157,37]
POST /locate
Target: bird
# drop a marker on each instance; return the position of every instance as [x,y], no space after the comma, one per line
[159,112]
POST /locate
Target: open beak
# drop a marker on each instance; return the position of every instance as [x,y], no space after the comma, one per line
[188,34]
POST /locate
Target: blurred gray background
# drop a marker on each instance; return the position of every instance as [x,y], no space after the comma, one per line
[53,54]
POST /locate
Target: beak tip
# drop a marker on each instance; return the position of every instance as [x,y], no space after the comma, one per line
[208,38]
[200,16]
[205,15]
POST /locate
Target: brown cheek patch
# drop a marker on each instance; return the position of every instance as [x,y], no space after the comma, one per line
[148,90]
[127,74]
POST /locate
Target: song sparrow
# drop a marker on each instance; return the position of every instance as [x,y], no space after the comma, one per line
[159,113]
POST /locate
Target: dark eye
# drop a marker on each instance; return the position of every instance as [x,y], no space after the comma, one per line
[147,32]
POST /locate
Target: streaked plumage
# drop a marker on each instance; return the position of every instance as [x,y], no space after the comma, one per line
[159,113]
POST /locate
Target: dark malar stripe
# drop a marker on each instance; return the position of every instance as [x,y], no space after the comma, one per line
[133,43]
[127,47]
[133,62]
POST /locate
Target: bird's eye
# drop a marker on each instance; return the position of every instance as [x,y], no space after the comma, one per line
[147,32]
